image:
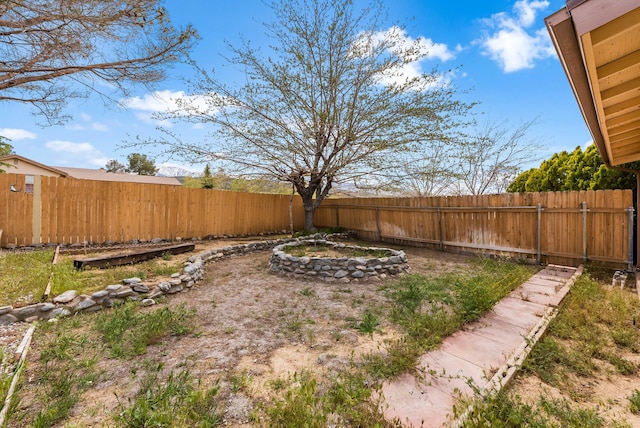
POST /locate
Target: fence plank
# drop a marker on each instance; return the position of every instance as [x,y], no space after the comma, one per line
[77,210]
[84,210]
[501,224]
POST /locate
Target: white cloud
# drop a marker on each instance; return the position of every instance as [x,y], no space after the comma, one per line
[97,126]
[513,44]
[526,11]
[15,134]
[88,123]
[78,154]
[151,105]
[426,50]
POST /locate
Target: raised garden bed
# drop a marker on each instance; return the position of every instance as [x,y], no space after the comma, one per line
[332,261]
[131,258]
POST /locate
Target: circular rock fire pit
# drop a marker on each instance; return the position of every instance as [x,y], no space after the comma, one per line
[332,261]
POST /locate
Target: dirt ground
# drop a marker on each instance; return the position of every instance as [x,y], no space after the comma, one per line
[253,328]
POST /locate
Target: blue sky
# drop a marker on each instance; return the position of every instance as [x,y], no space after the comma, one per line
[500,52]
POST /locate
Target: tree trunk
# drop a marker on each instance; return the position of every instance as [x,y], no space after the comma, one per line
[309,212]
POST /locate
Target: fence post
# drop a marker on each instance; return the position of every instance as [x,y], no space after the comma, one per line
[583,209]
[337,217]
[440,228]
[378,224]
[539,252]
[630,212]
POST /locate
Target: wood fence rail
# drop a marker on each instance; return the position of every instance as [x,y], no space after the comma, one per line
[565,228]
[65,210]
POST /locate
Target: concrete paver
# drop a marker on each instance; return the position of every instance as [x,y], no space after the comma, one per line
[473,355]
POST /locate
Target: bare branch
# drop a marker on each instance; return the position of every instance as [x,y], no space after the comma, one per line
[47,47]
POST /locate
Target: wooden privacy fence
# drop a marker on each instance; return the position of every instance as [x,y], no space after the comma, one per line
[65,210]
[554,227]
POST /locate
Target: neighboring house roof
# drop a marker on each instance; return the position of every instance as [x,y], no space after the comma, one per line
[28,166]
[598,45]
[17,158]
[103,175]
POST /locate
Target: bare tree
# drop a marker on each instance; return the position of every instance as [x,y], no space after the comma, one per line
[430,172]
[492,156]
[51,51]
[329,103]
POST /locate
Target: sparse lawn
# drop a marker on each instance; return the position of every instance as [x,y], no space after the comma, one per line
[25,275]
[254,348]
[582,372]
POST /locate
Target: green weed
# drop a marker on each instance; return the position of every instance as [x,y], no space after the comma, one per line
[70,369]
[368,324]
[634,402]
[178,401]
[592,319]
[308,292]
[430,309]
[502,410]
[128,331]
[24,276]
[240,381]
[346,402]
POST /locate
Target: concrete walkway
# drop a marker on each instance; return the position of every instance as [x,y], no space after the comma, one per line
[484,354]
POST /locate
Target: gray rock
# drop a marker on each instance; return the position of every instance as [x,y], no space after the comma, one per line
[190,269]
[357,274]
[175,289]
[84,304]
[148,302]
[114,287]
[100,294]
[175,282]
[7,319]
[66,297]
[46,307]
[274,268]
[130,281]
[5,309]
[140,288]
[190,284]
[155,294]
[175,275]
[164,286]
[125,292]
[60,312]
[340,274]
[157,240]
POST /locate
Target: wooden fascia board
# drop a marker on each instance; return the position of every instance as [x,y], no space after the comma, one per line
[567,45]
[591,14]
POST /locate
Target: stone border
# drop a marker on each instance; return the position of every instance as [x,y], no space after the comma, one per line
[341,269]
[135,289]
